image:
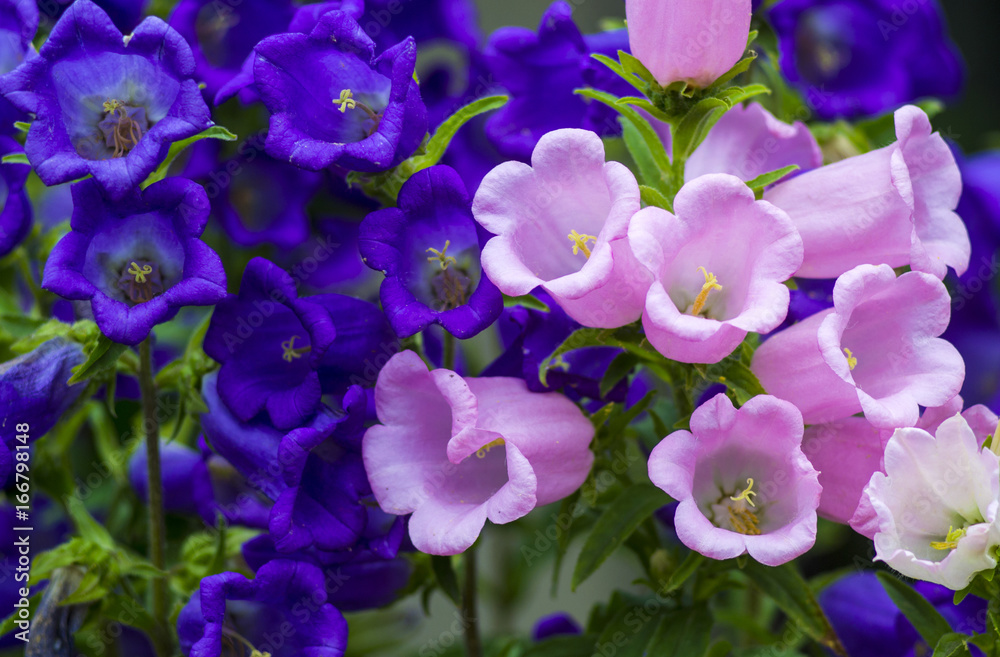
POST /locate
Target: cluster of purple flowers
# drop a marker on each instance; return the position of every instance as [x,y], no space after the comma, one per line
[372,220]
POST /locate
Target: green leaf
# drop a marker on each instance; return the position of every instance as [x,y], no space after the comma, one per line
[632,65]
[952,645]
[88,528]
[656,149]
[688,567]
[649,172]
[8,625]
[771,177]
[23,126]
[655,198]
[615,525]
[561,646]
[102,357]
[444,572]
[740,67]
[619,368]
[176,148]
[694,127]
[682,633]
[629,632]
[793,595]
[15,158]
[736,95]
[91,587]
[527,301]
[925,618]
[619,70]
[644,104]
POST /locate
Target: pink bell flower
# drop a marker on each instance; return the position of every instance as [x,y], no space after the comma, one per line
[743,483]
[895,205]
[562,224]
[876,351]
[719,264]
[457,451]
[691,41]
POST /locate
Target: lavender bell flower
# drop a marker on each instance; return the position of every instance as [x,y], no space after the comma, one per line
[106,105]
[138,260]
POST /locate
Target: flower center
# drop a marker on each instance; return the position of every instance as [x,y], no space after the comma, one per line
[348,101]
[738,512]
[451,284]
[852,360]
[140,281]
[580,242]
[122,126]
[711,283]
[236,641]
[485,449]
[951,539]
[290,353]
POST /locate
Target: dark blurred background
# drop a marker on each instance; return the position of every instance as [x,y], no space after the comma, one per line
[973,121]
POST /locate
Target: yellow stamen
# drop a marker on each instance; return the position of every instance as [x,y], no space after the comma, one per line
[580,242]
[852,361]
[442,256]
[745,495]
[744,521]
[950,541]
[346,101]
[290,352]
[140,273]
[711,283]
[484,450]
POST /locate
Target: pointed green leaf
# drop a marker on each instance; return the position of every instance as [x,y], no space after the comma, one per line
[655,198]
[89,529]
[952,645]
[23,126]
[793,595]
[656,149]
[15,158]
[650,173]
[688,567]
[615,525]
[682,633]
[925,618]
[102,357]
[619,368]
[619,70]
[176,148]
[771,177]
[526,301]
[694,127]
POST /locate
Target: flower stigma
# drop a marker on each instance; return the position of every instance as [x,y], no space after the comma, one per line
[711,283]
[852,360]
[290,352]
[580,242]
[485,449]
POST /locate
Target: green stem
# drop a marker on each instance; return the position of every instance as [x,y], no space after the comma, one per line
[449,351]
[470,618]
[24,264]
[157,527]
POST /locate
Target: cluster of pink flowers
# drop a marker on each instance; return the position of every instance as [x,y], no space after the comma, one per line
[840,432]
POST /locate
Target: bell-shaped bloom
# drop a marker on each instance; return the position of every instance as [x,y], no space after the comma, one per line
[540,73]
[222,34]
[749,141]
[936,505]
[282,612]
[255,198]
[869,624]
[719,265]
[187,484]
[428,249]
[457,451]
[106,105]
[33,387]
[562,224]
[16,213]
[556,624]
[876,351]
[694,42]
[895,205]
[856,58]
[18,24]
[137,260]
[743,483]
[848,451]
[332,102]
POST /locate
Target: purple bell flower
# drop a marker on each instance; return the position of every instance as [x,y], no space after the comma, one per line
[18,24]
[106,105]
[332,102]
[856,58]
[428,248]
[187,484]
[230,614]
[137,260]
[15,213]
[540,72]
